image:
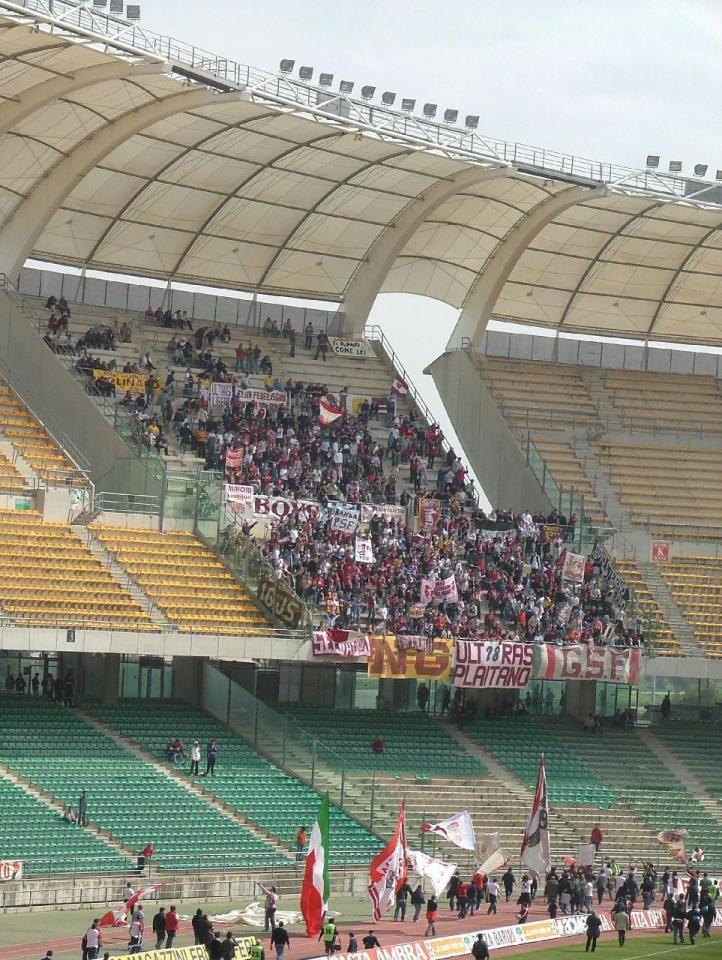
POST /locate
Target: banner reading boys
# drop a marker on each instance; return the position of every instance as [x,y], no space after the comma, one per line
[491,665]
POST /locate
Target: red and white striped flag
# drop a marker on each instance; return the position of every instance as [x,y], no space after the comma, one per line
[327,412]
[388,870]
[117,918]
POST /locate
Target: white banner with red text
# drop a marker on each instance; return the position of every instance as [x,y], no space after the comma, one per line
[11,870]
[439,591]
[608,664]
[341,643]
[492,665]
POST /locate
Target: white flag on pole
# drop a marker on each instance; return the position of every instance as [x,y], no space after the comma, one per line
[439,872]
[535,848]
[458,830]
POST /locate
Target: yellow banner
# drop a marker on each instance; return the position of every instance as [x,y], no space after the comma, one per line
[135,382]
[390,663]
[243,952]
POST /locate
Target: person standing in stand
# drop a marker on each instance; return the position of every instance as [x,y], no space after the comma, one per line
[195,758]
[211,757]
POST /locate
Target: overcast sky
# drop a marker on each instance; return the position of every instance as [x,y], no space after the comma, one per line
[603,79]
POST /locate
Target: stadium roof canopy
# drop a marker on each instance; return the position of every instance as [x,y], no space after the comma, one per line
[125,151]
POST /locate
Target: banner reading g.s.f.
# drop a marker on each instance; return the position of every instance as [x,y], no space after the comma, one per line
[610,664]
[389,662]
[487,664]
[242,952]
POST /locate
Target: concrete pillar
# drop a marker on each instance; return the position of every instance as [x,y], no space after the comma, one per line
[580,698]
[188,680]
[111,678]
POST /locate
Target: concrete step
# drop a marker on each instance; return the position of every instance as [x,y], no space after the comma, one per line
[120,574]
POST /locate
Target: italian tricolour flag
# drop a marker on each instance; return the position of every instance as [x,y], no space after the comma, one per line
[315,891]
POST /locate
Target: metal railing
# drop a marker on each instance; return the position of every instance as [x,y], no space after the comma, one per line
[80,22]
[374,333]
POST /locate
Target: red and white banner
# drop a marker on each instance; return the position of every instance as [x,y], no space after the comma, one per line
[429,514]
[327,412]
[344,518]
[341,643]
[609,664]
[399,386]
[390,511]
[117,918]
[660,551]
[11,870]
[439,591]
[535,847]
[364,551]
[388,869]
[490,665]
[458,830]
[275,508]
[223,394]
[573,568]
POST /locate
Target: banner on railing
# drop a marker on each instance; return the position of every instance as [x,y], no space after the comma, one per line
[410,641]
[492,665]
[11,870]
[609,664]
[341,643]
[282,602]
[390,663]
[239,492]
[389,511]
[439,591]
[242,952]
[351,348]
[573,568]
[133,382]
[608,571]
[429,514]
[222,395]
[275,508]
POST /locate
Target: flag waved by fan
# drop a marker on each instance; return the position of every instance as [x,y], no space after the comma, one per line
[458,830]
[119,917]
[316,889]
[674,841]
[388,869]
[535,847]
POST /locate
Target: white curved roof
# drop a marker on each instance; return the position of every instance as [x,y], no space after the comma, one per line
[151,174]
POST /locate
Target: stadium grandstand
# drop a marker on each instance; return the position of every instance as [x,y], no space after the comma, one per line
[241,565]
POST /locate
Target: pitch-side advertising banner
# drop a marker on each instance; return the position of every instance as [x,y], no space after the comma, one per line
[458,945]
[242,952]
[389,662]
[610,664]
[488,665]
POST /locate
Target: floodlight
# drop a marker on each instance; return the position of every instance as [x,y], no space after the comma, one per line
[471,122]
[367,92]
[429,110]
[100,3]
[451,116]
[116,6]
[325,79]
[718,175]
[345,86]
[388,98]
[287,66]
[132,11]
[700,169]
[652,162]
[675,166]
[407,104]
[305,73]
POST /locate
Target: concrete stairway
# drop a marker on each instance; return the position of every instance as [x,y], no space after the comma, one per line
[122,576]
[674,616]
[12,454]
[191,786]
[48,800]
[683,773]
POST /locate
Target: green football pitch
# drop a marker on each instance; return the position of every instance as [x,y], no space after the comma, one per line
[638,947]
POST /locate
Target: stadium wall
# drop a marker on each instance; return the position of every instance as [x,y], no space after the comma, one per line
[600,353]
[498,461]
[46,386]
